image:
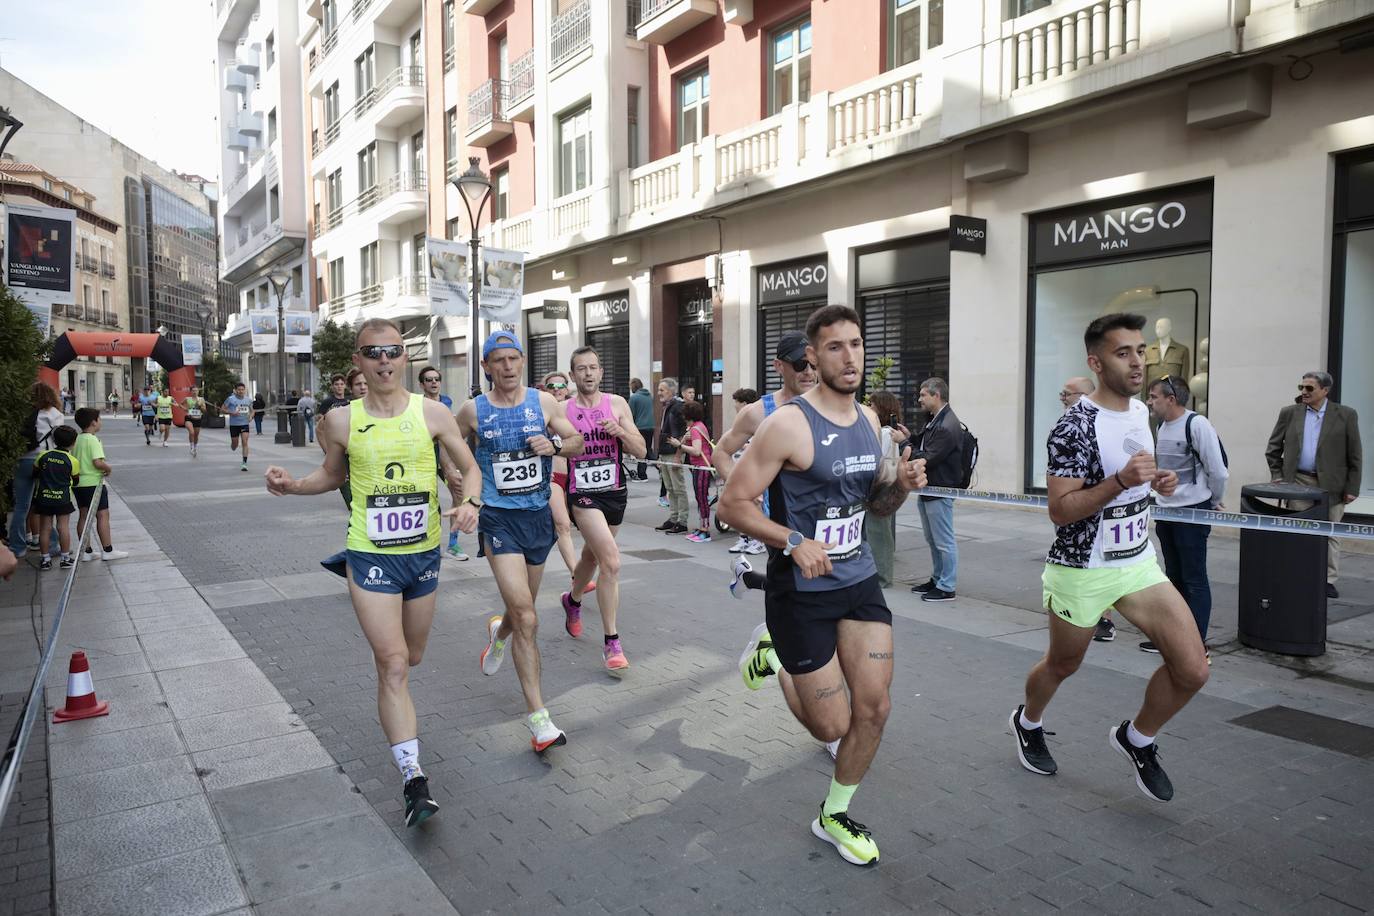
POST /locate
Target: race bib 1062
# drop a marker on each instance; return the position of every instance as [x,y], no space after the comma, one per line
[517,473]
[397,519]
[1125,530]
[594,474]
[843,529]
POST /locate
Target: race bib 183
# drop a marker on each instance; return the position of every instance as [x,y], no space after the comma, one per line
[594,474]
[397,519]
[517,472]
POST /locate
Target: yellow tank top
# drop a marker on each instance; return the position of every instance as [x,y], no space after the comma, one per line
[392,471]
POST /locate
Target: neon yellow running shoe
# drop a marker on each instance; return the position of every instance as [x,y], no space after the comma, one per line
[850,838]
[756,664]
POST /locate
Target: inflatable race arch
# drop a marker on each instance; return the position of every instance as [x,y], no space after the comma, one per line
[72,344]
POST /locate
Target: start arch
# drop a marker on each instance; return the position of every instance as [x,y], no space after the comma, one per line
[72,344]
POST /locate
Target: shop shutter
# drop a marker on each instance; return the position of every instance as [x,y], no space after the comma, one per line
[543,356]
[912,327]
[777,319]
[612,345]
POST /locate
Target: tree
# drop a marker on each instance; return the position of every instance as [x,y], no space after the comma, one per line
[22,345]
[877,379]
[333,347]
[216,380]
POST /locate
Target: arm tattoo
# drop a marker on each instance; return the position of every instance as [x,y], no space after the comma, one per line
[823,693]
[880,656]
[887,498]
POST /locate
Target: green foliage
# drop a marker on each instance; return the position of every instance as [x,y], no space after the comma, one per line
[333,348]
[21,343]
[216,380]
[877,379]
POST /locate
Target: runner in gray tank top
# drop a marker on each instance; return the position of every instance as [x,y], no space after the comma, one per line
[828,627]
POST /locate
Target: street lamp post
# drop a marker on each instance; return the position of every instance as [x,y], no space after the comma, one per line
[279,279]
[475,189]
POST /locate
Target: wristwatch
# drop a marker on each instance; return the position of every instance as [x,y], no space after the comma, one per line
[471,499]
[794,540]
[557,441]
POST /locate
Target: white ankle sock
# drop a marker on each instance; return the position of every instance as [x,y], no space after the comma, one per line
[1027,724]
[407,755]
[1136,738]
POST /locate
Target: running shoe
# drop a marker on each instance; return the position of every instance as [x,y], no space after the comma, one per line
[833,749]
[737,586]
[113,554]
[755,547]
[45,564]
[31,540]
[67,561]
[89,556]
[418,803]
[663,501]
[1149,647]
[851,839]
[666,526]
[1149,775]
[591,587]
[495,652]
[740,545]
[1030,746]
[572,615]
[543,733]
[244,467]
[164,444]
[926,586]
[455,552]
[937,594]
[1106,630]
[703,537]
[755,665]
[616,662]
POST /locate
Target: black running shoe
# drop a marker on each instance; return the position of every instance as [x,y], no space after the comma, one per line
[1149,775]
[1106,631]
[418,803]
[1030,747]
[1149,647]
[926,586]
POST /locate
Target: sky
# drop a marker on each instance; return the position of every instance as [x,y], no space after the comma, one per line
[140,70]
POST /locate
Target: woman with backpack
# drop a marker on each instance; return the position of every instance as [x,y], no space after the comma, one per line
[46,416]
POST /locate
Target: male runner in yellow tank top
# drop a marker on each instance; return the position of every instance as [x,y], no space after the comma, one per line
[388,439]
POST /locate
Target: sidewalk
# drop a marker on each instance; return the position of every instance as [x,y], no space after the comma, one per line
[679,790]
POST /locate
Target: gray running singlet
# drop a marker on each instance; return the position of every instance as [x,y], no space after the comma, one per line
[827,502]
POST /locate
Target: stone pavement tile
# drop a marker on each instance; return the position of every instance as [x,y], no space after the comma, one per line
[262,807]
[264,758]
[102,665]
[309,584]
[135,701]
[202,690]
[239,725]
[401,889]
[176,619]
[162,605]
[113,750]
[89,627]
[238,594]
[126,837]
[313,855]
[190,646]
[196,883]
[92,794]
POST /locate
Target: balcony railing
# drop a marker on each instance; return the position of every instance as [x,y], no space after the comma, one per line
[240,182]
[450,57]
[109,319]
[107,270]
[484,103]
[87,263]
[570,33]
[401,76]
[634,15]
[520,86]
[1051,44]
[401,181]
[453,168]
[331,40]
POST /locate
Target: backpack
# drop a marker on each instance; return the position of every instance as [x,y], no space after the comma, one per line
[30,431]
[1188,439]
[968,456]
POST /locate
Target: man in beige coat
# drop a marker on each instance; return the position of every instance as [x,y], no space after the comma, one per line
[1316,442]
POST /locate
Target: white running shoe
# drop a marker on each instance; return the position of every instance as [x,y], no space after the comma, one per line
[755,547]
[737,586]
[543,733]
[833,749]
[89,555]
[495,652]
[113,554]
[741,545]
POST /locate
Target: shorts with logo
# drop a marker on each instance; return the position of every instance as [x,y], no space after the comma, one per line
[610,503]
[84,495]
[1082,596]
[235,430]
[410,575]
[524,531]
[805,625]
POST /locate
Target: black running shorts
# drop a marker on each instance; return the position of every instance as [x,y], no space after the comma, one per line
[804,625]
[610,503]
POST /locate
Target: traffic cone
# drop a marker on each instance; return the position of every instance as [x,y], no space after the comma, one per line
[81,701]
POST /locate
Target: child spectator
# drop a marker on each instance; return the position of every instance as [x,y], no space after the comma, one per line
[696,444]
[90,457]
[54,471]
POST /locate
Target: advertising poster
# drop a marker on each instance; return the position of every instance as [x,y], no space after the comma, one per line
[448,277]
[503,285]
[298,331]
[40,254]
[42,316]
[191,349]
[263,325]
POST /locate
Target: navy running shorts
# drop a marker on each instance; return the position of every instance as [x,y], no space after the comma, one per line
[524,531]
[410,575]
[610,503]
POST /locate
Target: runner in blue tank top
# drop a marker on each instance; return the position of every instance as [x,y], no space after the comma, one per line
[518,430]
[819,457]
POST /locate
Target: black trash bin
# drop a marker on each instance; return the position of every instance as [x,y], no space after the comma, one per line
[297,428]
[1282,576]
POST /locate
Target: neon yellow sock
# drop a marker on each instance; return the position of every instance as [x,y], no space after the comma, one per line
[773,662]
[838,799]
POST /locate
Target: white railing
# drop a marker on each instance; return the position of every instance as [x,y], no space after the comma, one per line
[656,184]
[520,85]
[1051,42]
[570,33]
[517,233]
[875,108]
[572,213]
[755,150]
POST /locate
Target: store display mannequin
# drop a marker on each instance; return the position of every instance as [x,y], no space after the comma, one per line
[1198,383]
[1166,356]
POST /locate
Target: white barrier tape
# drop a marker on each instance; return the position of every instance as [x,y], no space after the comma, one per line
[1245,520]
[671,464]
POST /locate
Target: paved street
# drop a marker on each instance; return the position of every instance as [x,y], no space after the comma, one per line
[679,791]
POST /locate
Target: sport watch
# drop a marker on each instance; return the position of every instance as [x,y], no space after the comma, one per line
[794,540]
[557,441]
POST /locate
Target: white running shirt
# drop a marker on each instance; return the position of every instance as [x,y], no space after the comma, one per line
[1092,443]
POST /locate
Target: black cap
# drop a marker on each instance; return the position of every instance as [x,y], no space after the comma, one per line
[791,346]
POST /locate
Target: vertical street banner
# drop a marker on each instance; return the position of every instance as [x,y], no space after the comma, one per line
[263,325]
[448,277]
[298,331]
[192,349]
[40,253]
[503,285]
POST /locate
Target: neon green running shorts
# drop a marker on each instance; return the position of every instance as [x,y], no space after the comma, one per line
[1082,596]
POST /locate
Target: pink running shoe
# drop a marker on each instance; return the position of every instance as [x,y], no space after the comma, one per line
[573,623]
[615,657]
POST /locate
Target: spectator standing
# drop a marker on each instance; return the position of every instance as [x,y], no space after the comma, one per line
[941,445]
[642,412]
[1316,442]
[259,411]
[113,400]
[671,429]
[880,531]
[90,458]
[54,471]
[696,445]
[1187,444]
[46,416]
[1074,389]
[306,407]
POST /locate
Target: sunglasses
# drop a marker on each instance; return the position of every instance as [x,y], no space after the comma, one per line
[1168,383]
[800,365]
[558,386]
[1307,389]
[431,378]
[390,351]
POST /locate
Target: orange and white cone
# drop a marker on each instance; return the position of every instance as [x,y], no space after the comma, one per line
[81,701]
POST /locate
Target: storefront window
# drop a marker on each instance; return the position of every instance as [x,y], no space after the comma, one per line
[1119,256]
[607,323]
[1353,288]
[695,313]
[787,295]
